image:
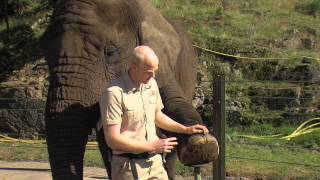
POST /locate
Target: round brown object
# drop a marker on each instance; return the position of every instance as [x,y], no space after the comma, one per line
[198,149]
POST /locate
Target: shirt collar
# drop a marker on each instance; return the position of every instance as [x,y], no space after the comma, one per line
[131,87]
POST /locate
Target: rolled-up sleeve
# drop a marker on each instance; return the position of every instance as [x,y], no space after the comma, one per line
[110,107]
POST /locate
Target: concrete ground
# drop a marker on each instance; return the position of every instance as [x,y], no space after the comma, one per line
[29,170]
[40,170]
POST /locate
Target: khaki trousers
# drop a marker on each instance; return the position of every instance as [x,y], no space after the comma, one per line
[151,168]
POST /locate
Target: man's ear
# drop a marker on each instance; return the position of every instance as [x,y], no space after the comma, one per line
[134,66]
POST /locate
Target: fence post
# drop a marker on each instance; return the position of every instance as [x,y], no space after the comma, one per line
[219,124]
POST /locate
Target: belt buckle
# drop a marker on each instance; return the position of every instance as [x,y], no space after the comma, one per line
[148,159]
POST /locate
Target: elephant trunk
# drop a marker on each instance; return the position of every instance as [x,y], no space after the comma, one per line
[73,83]
[84,44]
[71,111]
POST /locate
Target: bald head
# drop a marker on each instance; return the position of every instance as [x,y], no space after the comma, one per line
[144,55]
[143,64]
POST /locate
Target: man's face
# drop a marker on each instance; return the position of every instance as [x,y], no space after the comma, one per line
[145,72]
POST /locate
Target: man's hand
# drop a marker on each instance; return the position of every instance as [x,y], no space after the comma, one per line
[197,129]
[164,145]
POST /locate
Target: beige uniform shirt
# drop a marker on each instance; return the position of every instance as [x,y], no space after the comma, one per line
[132,108]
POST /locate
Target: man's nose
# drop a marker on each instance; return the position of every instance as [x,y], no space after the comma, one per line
[153,74]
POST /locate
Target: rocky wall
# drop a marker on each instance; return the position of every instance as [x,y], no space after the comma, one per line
[22,100]
[21,111]
[277,92]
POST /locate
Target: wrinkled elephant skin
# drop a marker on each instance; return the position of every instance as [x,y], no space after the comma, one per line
[86,45]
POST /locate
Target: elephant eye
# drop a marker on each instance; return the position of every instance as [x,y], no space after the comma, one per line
[111,50]
[116,53]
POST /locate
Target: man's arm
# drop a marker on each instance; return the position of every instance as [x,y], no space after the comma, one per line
[119,142]
[166,123]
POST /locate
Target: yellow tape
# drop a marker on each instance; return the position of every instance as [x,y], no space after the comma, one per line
[307,127]
[4,138]
[251,58]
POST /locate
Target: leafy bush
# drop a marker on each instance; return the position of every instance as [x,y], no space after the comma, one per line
[15,7]
[310,7]
[314,7]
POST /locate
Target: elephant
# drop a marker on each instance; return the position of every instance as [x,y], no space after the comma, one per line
[86,45]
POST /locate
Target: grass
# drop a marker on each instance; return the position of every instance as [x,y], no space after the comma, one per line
[21,152]
[271,159]
[93,158]
[30,152]
[253,22]
[265,161]
[311,140]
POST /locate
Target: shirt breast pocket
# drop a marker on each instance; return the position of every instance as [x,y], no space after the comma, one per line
[152,97]
[152,103]
[152,100]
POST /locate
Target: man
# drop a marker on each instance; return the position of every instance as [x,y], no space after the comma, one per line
[130,111]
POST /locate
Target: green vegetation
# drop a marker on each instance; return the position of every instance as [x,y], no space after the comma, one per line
[272,162]
[32,152]
[21,26]
[18,152]
[21,12]
[262,29]
[271,157]
[245,158]
[232,25]
[315,6]
[286,30]
[235,134]
[311,8]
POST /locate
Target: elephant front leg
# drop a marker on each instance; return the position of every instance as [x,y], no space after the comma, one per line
[176,105]
[66,146]
[191,150]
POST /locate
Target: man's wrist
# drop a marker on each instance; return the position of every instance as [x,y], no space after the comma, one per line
[151,149]
[186,129]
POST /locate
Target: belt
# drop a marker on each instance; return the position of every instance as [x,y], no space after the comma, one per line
[132,158]
[136,156]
